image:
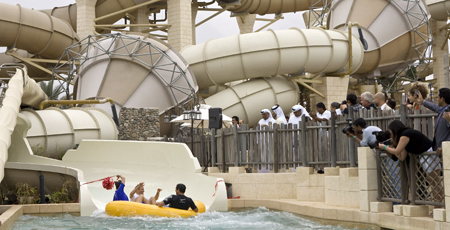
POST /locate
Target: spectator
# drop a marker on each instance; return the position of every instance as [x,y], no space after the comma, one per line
[296,116]
[391,103]
[405,140]
[287,118]
[335,107]
[266,118]
[241,122]
[360,125]
[281,119]
[441,126]
[351,101]
[380,102]
[343,105]
[367,100]
[412,95]
[235,121]
[322,113]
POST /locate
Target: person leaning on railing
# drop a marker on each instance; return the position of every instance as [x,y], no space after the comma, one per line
[405,140]
[360,126]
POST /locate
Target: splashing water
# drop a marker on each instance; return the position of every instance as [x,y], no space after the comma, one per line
[247,218]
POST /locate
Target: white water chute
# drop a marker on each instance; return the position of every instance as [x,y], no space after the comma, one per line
[271,53]
[21,89]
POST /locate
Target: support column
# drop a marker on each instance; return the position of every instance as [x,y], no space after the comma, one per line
[140,17]
[180,17]
[446,167]
[194,16]
[438,53]
[85,17]
[246,23]
[333,88]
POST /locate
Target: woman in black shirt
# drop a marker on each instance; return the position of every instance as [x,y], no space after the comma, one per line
[406,140]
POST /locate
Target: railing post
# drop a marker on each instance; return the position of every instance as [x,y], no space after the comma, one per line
[304,159]
[236,146]
[213,148]
[351,147]
[403,114]
[243,143]
[275,148]
[413,178]
[224,163]
[333,139]
[379,182]
[404,182]
[202,151]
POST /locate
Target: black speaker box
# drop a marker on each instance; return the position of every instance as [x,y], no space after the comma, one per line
[215,118]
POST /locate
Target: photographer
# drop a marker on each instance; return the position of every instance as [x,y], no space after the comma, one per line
[360,125]
[405,140]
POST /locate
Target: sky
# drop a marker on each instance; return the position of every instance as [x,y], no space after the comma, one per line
[219,27]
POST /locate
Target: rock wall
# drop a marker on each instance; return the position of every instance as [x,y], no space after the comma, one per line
[139,124]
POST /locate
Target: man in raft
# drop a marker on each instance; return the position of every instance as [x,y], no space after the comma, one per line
[120,185]
[137,195]
[179,200]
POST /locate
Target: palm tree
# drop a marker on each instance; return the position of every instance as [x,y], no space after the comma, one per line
[52,92]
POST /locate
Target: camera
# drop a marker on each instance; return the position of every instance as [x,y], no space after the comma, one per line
[447,109]
[349,128]
[382,137]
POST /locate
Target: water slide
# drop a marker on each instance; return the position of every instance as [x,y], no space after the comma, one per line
[22,89]
[439,9]
[269,6]
[158,164]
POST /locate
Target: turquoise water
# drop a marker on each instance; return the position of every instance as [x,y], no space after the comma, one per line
[247,218]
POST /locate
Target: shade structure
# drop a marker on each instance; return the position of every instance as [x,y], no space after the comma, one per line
[204,122]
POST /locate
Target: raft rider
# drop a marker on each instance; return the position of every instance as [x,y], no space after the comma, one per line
[137,195]
[179,201]
[119,194]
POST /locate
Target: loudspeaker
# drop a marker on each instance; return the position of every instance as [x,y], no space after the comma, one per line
[215,118]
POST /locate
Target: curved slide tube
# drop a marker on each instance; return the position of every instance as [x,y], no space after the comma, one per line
[247,99]
[271,53]
[54,131]
[138,161]
[271,6]
[34,31]
[388,30]
[21,89]
[439,9]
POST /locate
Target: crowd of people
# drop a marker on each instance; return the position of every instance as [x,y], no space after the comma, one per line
[178,201]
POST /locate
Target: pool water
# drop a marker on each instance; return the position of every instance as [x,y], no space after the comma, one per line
[246,218]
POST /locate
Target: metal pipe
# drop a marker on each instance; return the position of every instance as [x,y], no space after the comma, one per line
[129,9]
[71,102]
[311,88]
[209,18]
[131,25]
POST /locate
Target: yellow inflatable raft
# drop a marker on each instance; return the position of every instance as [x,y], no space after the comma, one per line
[128,208]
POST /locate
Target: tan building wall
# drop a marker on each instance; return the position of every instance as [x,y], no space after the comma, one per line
[333,88]
[439,39]
[85,18]
[246,23]
[180,17]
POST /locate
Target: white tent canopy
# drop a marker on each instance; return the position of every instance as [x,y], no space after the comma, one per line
[204,122]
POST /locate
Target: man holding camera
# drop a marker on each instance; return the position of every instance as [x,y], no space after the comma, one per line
[441,126]
[360,126]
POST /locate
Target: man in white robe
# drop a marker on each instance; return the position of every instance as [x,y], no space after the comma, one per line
[281,119]
[266,118]
[296,116]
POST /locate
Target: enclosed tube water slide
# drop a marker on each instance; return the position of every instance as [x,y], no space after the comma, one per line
[389,27]
[439,9]
[269,6]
